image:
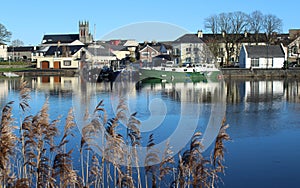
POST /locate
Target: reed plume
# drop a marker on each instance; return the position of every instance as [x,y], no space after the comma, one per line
[24,95]
[90,132]
[62,164]
[165,166]
[96,173]
[7,145]
[151,161]
[39,134]
[133,131]
[219,150]
[24,98]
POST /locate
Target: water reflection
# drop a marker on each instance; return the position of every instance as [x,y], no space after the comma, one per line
[263,117]
[236,91]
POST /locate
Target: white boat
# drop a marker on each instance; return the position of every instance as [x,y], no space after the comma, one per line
[10,74]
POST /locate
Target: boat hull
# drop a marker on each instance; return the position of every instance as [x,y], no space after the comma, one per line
[171,76]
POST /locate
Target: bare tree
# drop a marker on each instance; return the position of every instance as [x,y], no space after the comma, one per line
[232,25]
[240,25]
[5,35]
[271,24]
[225,20]
[17,42]
[239,22]
[212,24]
[255,21]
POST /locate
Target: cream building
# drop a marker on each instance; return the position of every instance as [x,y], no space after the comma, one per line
[3,52]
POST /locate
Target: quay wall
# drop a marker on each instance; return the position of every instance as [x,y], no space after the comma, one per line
[260,73]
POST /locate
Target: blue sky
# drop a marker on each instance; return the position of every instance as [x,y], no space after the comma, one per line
[30,20]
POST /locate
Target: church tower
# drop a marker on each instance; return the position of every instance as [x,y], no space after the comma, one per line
[84,34]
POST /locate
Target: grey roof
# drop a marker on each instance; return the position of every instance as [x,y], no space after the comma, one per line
[71,50]
[62,38]
[111,46]
[247,38]
[96,51]
[260,51]
[188,38]
[22,48]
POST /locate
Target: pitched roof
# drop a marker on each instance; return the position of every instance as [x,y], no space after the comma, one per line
[111,46]
[262,51]
[188,38]
[62,38]
[100,51]
[158,46]
[22,48]
[62,49]
[248,38]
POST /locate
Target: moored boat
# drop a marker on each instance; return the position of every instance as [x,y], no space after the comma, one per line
[10,74]
[188,73]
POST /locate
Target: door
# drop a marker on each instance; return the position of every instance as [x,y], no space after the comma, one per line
[56,64]
[45,64]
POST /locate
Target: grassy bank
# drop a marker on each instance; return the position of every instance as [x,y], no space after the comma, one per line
[14,69]
[16,63]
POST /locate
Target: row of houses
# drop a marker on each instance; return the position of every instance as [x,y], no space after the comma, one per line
[65,51]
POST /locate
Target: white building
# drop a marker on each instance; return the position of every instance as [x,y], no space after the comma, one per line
[3,52]
[258,56]
[190,48]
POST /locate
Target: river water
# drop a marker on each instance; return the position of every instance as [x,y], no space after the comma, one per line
[263,116]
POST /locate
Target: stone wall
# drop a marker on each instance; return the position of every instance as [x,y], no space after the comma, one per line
[272,73]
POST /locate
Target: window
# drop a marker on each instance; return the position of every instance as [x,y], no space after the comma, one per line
[254,62]
[269,62]
[67,63]
[176,51]
[145,54]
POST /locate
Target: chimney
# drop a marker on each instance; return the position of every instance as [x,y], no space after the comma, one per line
[245,34]
[200,34]
[223,34]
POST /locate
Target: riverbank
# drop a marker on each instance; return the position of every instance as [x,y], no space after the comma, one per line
[260,73]
[227,72]
[29,71]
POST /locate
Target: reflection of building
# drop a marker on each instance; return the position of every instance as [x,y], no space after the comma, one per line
[3,90]
[50,83]
[263,91]
[292,91]
[186,92]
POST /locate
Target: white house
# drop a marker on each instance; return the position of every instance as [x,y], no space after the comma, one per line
[3,52]
[61,57]
[258,56]
[190,48]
